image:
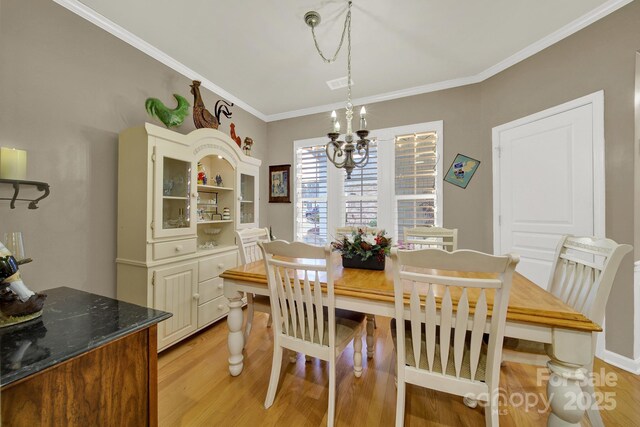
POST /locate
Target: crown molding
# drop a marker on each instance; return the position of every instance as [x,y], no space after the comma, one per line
[111,27]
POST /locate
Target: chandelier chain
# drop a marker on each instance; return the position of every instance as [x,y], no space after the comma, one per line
[347,23]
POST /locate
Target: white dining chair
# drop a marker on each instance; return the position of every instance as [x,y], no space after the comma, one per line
[304,320]
[431,237]
[247,240]
[582,275]
[441,346]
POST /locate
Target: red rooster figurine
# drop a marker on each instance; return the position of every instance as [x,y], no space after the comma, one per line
[235,137]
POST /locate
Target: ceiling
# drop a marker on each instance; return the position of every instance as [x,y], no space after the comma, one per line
[260,54]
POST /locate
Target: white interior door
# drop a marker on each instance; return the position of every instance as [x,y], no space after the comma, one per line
[546,177]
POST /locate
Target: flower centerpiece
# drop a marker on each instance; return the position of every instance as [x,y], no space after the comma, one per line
[363,249]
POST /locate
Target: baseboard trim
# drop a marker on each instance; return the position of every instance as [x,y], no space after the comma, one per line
[622,362]
[636,310]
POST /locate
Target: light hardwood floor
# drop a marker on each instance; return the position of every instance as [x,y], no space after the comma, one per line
[195,389]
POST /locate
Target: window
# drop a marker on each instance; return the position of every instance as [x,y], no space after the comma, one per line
[401,185]
[415,181]
[360,193]
[311,195]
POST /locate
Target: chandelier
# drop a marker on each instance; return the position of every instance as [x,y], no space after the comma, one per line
[341,153]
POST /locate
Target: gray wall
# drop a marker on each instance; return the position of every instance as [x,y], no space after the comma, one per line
[68,88]
[601,56]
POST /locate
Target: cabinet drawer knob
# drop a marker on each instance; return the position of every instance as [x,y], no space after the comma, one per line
[178,248]
[220,286]
[196,297]
[221,265]
[220,307]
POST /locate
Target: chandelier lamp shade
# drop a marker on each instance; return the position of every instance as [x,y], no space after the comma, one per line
[342,153]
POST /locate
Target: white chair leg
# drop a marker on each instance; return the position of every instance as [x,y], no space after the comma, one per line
[269,320]
[247,328]
[331,413]
[293,356]
[491,413]
[275,375]
[357,354]
[402,387]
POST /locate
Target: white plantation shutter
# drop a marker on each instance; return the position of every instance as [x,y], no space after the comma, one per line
[360,193]
[415,181]
[311,195]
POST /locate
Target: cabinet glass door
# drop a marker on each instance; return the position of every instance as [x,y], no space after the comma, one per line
[173,205]
[247,199]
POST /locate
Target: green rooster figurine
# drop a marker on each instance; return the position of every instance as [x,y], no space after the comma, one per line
[170,118]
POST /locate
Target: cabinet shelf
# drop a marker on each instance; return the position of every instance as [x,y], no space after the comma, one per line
[175,197]
[215,221]
[213,188]
[33,203]
[246,201]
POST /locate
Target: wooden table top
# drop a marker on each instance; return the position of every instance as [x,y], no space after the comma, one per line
[528,302]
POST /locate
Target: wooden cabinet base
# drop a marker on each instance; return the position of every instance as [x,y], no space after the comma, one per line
[113,385]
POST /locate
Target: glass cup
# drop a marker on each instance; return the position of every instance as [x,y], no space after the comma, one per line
[13,241]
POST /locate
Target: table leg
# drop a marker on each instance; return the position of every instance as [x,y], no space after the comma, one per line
[370,342]
[570,352]
[235,340]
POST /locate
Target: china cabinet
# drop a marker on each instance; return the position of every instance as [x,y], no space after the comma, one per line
[180,199]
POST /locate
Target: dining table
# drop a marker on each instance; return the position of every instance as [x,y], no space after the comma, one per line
[533,314]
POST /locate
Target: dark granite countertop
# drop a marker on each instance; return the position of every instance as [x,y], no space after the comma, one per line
[73,322]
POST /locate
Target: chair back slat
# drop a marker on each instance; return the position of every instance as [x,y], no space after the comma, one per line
[576,284]
[317,302]
[431,237]
[295,284]
[477,332]
[590,293]
[416,327]
[442,330]
[583,273]
[569,268]
[297,293]
[431,320]
[308,298]
[293,315]
[446,312]
[460,333]
[281,297]
[247,241]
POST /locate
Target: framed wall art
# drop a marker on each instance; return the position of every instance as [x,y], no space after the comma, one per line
[461,170]
[280,184]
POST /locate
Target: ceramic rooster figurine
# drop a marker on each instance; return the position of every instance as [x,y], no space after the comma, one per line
[202,118]
[235,137]
[170,118]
